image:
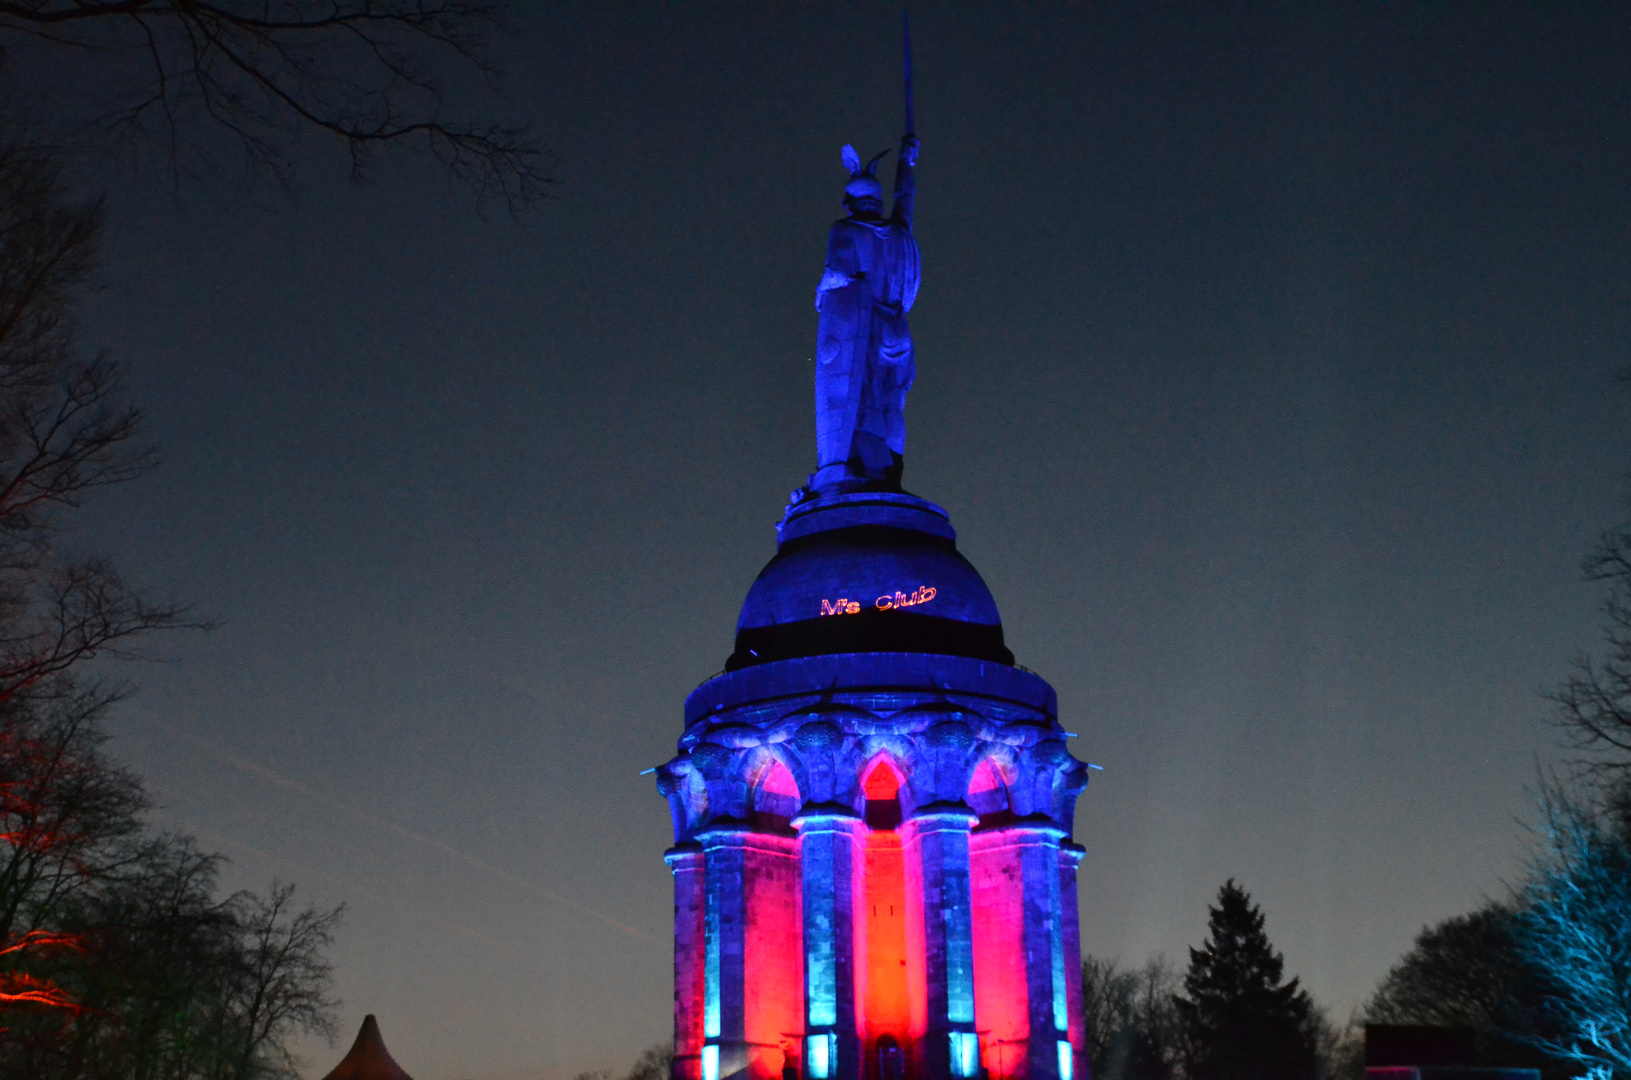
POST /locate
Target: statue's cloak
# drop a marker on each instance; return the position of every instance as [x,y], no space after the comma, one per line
[864,361]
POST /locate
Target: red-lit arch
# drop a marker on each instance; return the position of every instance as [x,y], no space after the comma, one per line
[881,782]
[776,799]
[988,792]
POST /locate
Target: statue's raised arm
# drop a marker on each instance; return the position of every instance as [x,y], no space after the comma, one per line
[864,364]
[905,184]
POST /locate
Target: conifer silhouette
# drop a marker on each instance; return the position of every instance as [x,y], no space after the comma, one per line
[1239,1021]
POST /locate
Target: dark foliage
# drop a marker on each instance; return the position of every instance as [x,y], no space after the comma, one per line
[1239,1021]
[1470,972]
[1464,972]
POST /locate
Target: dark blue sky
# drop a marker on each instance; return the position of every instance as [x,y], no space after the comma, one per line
[1265,366]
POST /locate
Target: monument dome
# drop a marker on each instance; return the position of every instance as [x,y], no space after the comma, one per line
[867,572]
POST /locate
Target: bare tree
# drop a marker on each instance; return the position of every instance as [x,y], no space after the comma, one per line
[1594,702]
[169,980]
[67,817]
[370,73]
[1131,1022]
[1571,929]
[281,986]
[654,1063]
[65,431]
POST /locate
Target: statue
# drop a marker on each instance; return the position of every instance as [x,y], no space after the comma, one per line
[863,343]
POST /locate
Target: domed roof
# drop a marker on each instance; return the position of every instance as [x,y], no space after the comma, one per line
[872,572]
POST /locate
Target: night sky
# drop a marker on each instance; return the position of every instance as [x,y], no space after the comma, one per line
[1265,366]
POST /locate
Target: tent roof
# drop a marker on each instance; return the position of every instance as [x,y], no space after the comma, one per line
[368,1059]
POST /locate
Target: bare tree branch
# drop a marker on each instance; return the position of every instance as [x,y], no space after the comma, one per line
[1593,705]
[371,73]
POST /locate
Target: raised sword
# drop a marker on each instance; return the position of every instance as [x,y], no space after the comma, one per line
[906,67]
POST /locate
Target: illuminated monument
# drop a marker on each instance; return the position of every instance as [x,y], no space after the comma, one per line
[873,871]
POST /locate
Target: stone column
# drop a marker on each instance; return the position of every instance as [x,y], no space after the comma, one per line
[1070,856]
[685,861]
[936,842]
[725,1048]
[1047,977]
[828,842]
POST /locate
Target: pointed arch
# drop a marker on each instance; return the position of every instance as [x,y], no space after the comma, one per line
[881,782]
[775,800]
[988,791]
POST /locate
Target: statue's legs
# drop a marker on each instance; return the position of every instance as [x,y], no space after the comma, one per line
[871,459]
[840,377]
[885,410]
[863,370]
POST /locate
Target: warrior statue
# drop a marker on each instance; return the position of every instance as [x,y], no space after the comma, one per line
[863,345]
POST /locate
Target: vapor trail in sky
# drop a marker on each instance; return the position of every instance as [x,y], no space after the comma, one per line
[308,872]
[447,849]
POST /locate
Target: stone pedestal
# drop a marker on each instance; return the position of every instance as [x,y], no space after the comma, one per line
[872,809]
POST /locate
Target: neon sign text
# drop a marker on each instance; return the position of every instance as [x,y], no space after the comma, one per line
[912,599]
[888,602]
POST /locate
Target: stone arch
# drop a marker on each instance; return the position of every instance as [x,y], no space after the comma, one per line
[774,799]
[988,791]
[882,780]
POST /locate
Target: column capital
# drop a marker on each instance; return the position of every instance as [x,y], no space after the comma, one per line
[1037,827]
[723,835]
[688,852]
[826,817]
[937,817]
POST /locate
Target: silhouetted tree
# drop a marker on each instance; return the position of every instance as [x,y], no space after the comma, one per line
[1240,1022]
[1594,703]
[64,432]
[1130,1019]
[370,73]
[116,957]
[654,1063]
[1469,971]
[1108,1009]
[67,817]
[1464,972]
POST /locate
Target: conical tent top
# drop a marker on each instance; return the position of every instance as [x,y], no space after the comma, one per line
[368,1059]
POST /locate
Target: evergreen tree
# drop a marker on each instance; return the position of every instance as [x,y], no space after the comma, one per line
[1239,1021]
